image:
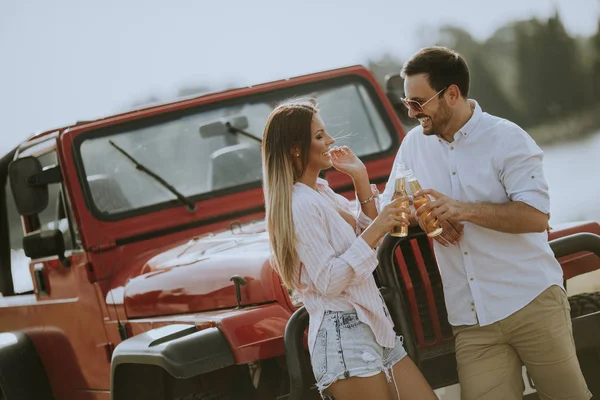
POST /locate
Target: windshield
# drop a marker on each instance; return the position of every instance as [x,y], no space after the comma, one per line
[201,153]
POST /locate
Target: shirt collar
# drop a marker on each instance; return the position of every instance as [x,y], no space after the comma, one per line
[472,122]
[322,182]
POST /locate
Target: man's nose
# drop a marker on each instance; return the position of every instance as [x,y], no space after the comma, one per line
[411,113]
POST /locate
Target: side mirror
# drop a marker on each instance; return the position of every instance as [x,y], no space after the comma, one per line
[394,87]
[29,199]
[29,184]
[45,244]
[394,90]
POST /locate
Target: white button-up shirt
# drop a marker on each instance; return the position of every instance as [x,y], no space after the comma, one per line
[336,266]
[489,275]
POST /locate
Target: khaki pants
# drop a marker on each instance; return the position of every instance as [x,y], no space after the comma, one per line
[539,336]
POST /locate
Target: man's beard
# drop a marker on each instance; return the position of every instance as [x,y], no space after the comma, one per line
[440,121]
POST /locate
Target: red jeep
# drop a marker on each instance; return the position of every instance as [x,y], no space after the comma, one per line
[135,262]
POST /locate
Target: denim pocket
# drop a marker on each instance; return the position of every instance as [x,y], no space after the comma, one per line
[319,355]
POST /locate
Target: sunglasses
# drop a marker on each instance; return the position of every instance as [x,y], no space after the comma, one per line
[417,107]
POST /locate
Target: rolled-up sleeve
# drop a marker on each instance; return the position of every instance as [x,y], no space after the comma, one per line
[362,221]
[521,170]
[331,273]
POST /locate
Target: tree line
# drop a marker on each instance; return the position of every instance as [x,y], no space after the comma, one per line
[532,72]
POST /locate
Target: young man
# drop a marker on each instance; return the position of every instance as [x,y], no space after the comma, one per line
[502,284]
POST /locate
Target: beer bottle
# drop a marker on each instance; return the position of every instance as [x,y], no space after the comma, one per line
[433,227]
[400,191]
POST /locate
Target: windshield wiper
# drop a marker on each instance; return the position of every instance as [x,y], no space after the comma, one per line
[191,206]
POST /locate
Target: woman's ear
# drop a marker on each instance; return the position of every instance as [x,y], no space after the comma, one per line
[295,151]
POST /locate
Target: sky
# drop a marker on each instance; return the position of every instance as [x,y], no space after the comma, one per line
[68,60]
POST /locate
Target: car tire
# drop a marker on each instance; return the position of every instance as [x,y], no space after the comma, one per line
[584,304]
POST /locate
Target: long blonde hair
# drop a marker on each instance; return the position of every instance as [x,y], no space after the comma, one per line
[288,128]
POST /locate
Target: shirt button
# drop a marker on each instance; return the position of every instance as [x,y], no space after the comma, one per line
[453,173]
[452,148]
[472,279]
[466,253]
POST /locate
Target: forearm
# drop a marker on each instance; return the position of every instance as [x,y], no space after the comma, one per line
[512,217]
[363,192]
[372,235]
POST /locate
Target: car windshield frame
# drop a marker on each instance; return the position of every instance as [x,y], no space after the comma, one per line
[278,93]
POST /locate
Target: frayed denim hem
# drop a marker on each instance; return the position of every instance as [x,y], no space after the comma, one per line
[327,380]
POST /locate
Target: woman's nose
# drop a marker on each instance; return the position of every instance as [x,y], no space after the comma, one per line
[330,141]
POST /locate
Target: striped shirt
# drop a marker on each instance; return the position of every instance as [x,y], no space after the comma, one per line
[336,266]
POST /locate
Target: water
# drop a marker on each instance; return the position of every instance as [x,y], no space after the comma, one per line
[570,169]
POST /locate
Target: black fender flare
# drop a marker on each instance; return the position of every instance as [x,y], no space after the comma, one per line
[22,374]
[181,350]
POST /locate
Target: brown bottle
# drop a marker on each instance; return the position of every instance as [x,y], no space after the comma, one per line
[432,228]
[400,191]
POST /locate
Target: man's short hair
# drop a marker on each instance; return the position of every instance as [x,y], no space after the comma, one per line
[443,67]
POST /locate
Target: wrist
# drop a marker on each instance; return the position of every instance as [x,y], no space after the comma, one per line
[466,212]
[381,228]
[372,234]
[360,175]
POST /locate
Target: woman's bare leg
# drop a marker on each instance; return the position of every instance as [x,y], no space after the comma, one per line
[357,388]
[409,382]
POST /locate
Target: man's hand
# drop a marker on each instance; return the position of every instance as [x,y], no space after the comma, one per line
[448,212]
[452,233]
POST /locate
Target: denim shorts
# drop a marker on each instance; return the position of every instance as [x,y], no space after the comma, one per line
[346,347]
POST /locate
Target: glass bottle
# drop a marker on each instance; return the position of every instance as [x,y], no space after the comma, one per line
[433,227]
[400,191]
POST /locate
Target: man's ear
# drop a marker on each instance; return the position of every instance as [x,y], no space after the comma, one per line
[453,94]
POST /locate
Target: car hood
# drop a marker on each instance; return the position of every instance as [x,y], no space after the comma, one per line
[197,275]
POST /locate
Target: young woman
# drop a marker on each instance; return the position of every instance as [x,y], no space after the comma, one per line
[324,251]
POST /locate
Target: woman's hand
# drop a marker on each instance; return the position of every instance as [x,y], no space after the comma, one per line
[390,216]
[393,215]
[344,160]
